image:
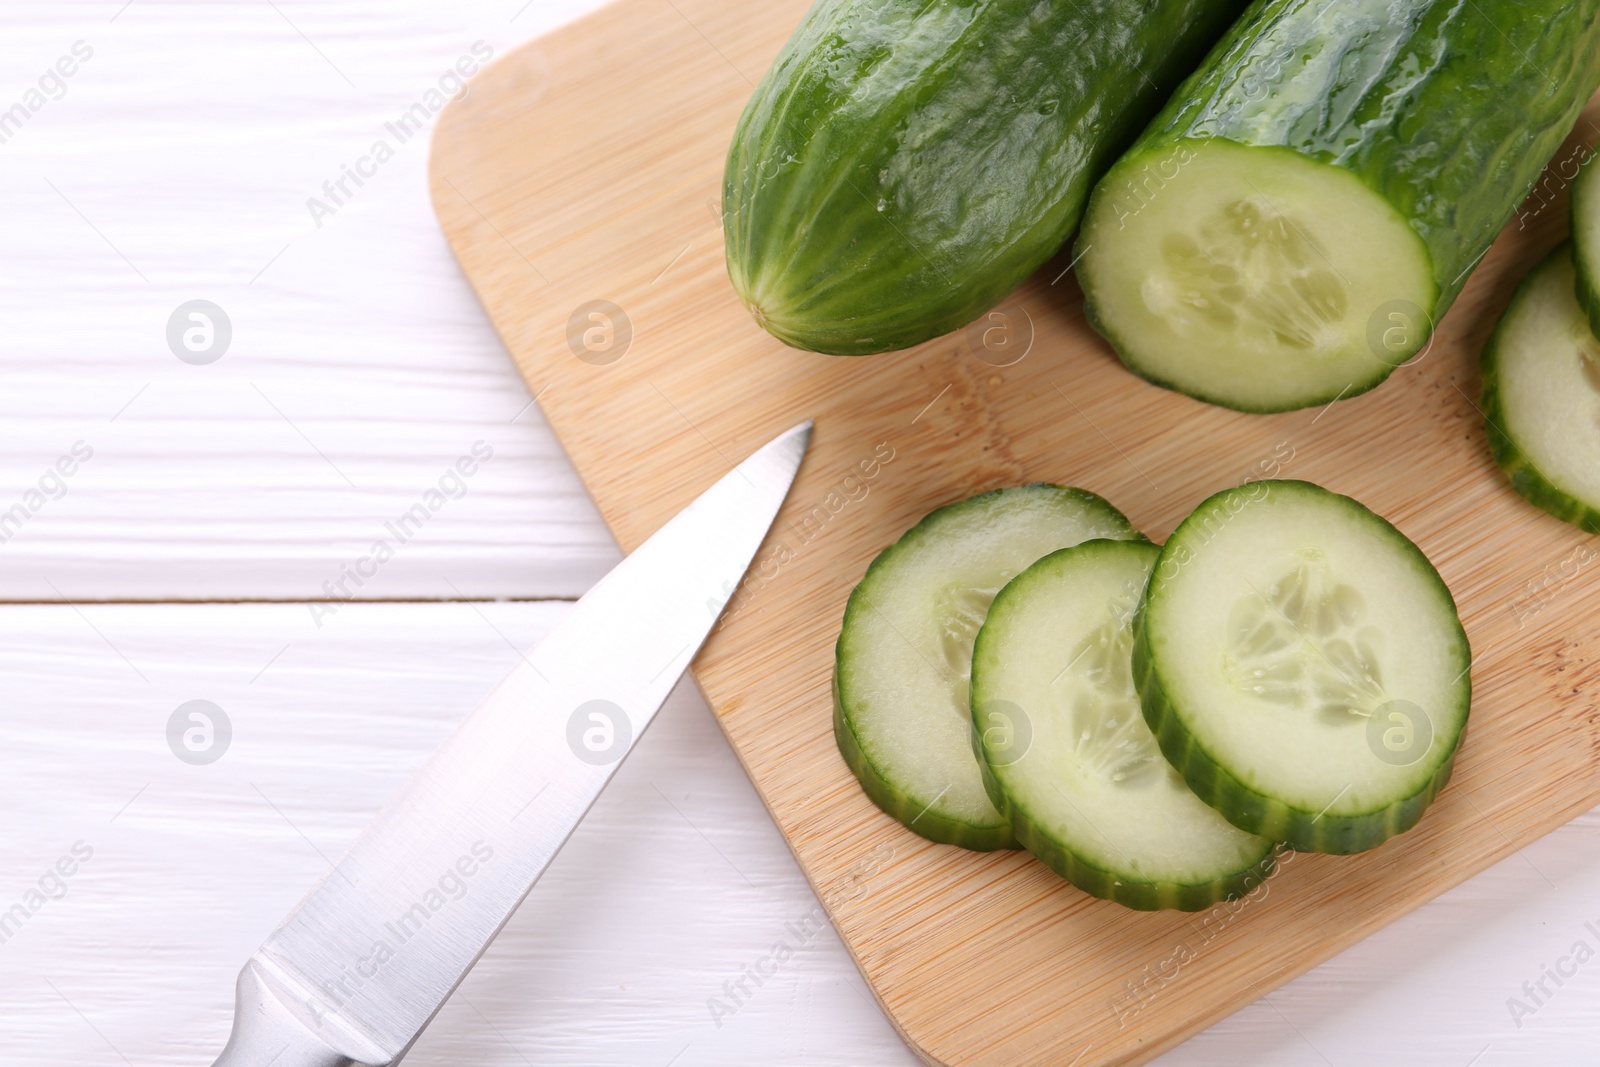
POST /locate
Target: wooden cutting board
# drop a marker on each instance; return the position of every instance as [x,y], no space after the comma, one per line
[587,168]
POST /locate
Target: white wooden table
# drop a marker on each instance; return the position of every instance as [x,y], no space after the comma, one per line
[177,563]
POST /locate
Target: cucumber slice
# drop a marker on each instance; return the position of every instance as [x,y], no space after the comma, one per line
[1302,665]
[1586,239]
[1066,754]
[1541,395]
[905,651]
[1309,203]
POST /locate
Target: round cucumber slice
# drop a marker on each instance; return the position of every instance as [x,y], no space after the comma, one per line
[1586,239]
[1252,276]
[905,651]
[1541,389]
[1302,665]
[1066,755]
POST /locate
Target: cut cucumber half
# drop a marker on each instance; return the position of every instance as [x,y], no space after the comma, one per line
[901,667]
[1586,239]
[1541,395]
[1302,666]
[1066,755]
[1310,201]
[1252,277]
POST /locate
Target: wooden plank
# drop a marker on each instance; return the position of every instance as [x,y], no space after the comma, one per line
[606,189]
[623,946]
[674,884]
[177,165]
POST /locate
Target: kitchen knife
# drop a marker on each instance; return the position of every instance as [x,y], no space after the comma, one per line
[361,965]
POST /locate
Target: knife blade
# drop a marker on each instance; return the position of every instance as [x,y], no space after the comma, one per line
[362,964]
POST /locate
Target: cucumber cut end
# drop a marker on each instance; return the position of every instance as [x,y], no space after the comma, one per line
[1252,277]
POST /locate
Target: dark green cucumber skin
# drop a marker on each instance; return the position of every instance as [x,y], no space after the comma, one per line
[979,125]
[1583,224]
[1250,810]
[1094,880]
[1525,477]
[915,816]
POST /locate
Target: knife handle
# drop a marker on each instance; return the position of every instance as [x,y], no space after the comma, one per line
[267,1032]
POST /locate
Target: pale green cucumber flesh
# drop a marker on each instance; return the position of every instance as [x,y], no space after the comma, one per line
[1541,386]
[1254,278]
[905,651]
[1586,239]
[1067,755]
[1302,664]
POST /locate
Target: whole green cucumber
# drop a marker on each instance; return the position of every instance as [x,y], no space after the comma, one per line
[1309,203]
[905,164]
